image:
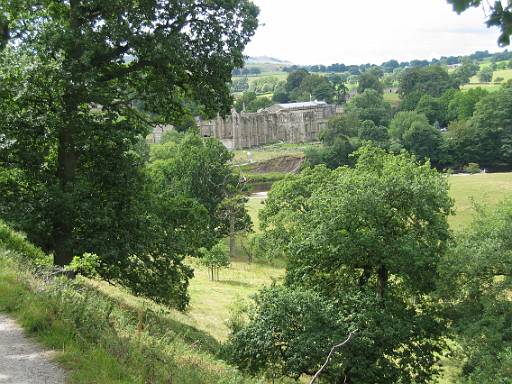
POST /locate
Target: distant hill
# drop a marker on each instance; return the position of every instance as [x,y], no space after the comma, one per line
[266,60]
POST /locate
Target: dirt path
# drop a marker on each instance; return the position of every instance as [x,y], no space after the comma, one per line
[22,361]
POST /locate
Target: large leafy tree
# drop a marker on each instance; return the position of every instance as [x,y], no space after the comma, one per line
[476,279]
[369,239]
[370,105]
[424,141]
[369,80]
[339,140]
[462,104]
[402,121]
[81,82]
[288,330]
[416,82]
[492,121]
[188,166]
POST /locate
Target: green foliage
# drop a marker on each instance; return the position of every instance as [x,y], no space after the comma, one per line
[338,142]
[463,140]
[492,122]
[475,278]
[215,258]
[86,265]
[280,94]
[465,72]
[423,140]
[402,121]
[370,105]
[485,75]
[240,85]
[472,168]
[288,333]
[314,87]
[81,87]
[286,198]
[249,102]
[369,80]
[431,107]
[303,86]
[378,135]
[369,238]
[191,180]
[462,105]
[416,82]
[264,85]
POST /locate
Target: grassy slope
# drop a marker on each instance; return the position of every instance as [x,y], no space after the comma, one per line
[103,334]
[192,345]
[103,339]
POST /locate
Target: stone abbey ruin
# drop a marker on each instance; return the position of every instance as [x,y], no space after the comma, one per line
[289,123]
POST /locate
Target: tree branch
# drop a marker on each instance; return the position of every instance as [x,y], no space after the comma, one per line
[333,349]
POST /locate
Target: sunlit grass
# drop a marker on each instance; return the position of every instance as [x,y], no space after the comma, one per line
[269,152]
[486,189]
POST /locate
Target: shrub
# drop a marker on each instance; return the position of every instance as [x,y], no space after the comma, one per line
[472,168]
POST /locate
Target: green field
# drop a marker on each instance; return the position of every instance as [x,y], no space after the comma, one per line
[392,98]
[505,74]
[484,189]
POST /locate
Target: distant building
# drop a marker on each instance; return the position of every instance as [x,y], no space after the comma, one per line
[157,133]
[289,123]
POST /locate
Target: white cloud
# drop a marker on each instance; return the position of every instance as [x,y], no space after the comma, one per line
[356,32]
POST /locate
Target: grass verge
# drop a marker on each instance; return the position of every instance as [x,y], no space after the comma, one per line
[99,339]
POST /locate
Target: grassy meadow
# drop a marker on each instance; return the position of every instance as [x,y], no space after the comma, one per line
[482,189]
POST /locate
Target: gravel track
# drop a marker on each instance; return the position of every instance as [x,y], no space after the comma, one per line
[22,361]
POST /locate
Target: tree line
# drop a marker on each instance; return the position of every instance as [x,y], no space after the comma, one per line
[393,65]
[435,119]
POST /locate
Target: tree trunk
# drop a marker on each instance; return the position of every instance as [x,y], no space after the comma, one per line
[66,152]
[382,280]
[63,224]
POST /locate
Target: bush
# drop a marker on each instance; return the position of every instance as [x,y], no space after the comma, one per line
[472,168]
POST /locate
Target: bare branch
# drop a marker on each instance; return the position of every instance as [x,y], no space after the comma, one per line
[333,349]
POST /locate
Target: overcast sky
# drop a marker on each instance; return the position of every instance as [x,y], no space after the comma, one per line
[367,31]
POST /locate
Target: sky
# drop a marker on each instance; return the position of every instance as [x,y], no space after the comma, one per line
[367,31]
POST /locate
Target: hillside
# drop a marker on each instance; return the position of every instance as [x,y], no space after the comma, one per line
[125,339]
